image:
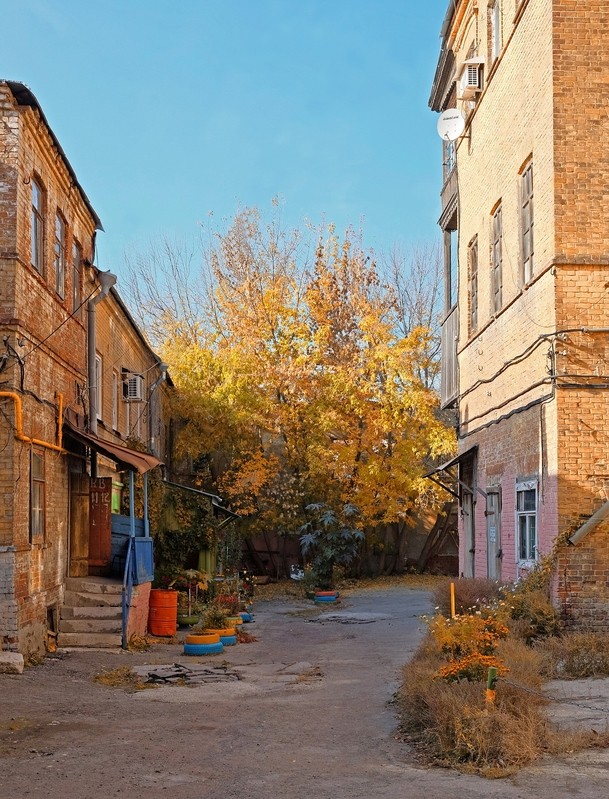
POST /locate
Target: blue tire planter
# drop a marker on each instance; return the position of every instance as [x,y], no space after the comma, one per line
[247,617]
[323,599]
[228,640]
[203,649]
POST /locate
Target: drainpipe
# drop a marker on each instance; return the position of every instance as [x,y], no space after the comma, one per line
[107,280]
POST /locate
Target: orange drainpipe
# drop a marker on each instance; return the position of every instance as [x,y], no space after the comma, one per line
[19,423]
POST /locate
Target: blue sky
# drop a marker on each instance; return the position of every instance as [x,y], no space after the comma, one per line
[171,110]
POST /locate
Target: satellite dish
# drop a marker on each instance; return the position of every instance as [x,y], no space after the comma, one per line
[451,124]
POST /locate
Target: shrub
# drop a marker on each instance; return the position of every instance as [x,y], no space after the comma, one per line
[537,616]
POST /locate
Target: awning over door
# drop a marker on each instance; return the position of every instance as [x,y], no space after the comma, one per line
[437,473]
[124,457]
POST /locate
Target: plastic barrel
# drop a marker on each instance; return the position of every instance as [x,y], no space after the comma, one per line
[163,612]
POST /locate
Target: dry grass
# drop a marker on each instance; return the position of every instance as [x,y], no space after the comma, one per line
[139,643]
[244,637]
[575,656]
[453,725]
[122,677]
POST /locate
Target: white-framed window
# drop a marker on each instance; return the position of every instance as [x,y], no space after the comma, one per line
[37,227]
[526,222]
[60,255]
[98,383]
[76,278]
[526,520]
[496,32]
[37,495]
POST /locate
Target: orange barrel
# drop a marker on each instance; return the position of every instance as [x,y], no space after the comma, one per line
[163,612]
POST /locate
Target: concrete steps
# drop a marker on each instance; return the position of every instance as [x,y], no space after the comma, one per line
[91,614]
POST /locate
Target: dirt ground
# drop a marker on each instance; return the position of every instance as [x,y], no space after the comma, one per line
[309,715]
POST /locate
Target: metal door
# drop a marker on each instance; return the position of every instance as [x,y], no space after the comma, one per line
[493,533]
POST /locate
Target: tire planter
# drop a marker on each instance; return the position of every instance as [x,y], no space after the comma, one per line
[228,640]
[225,632]
[326,593]
[203,649]
[247,617]
[235,621]
[324,600]
[209,638]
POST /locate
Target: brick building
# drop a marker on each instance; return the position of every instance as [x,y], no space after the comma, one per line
[77,380]
[526,327]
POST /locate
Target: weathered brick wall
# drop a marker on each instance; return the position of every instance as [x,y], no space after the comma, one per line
[51,343]
[582,580]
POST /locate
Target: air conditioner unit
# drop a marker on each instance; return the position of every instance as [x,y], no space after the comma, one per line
[470,82]
[133,388]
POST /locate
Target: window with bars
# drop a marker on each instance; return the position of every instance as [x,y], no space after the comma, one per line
[526,222]
[497,260]
[37,227]
[472,268]
[60,256]
[37,495]
[526,520]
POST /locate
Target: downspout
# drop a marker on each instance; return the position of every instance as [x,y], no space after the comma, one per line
[107,280]
[587,527]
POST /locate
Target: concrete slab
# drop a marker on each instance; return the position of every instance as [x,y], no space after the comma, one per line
[11,663]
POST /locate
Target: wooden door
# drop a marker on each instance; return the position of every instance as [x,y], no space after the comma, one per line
[79,525]
[100,523]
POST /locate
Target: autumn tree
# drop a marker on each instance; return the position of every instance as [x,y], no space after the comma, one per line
[299,373]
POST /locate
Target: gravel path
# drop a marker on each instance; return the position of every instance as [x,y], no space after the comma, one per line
[310,716]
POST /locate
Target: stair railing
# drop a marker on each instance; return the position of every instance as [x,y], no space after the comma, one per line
[127,590]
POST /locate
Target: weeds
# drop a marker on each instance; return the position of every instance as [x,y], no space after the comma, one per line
[122,677]
[442,697]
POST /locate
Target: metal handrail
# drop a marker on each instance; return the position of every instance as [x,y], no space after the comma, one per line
[126,593]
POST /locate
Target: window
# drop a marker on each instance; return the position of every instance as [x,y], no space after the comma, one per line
[98,384]
[496,33]
[526,222]
[526,520]
[451,266]
[37,225]
[76,279]
[60,256]
[37,494]
[496,260]
[116,393]
[472,265]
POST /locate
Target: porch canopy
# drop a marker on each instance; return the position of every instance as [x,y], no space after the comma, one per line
[436,475]
[124,457]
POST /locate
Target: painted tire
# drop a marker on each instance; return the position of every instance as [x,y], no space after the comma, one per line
[326,593]
[221,631]
[325,599]
[203,649]
[235,620]
[210,638]
[228,640]
[247,617]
